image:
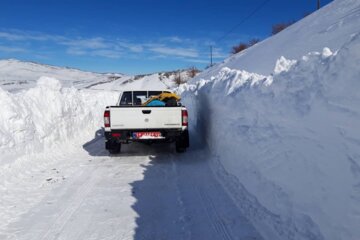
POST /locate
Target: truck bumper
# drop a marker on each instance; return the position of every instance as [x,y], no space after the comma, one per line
[126,136]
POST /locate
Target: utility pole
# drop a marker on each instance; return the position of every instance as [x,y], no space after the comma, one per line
[318,4]
[211,56]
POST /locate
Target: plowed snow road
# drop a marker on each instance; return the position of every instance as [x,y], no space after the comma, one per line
[147,192]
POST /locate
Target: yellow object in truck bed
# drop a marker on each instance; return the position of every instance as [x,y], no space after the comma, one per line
[162,97]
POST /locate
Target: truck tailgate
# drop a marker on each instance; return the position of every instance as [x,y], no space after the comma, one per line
[145,117]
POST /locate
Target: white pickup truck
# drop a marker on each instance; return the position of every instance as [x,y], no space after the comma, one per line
[131,121]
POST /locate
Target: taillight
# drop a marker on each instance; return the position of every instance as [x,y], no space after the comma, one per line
[184,115]
[107,118]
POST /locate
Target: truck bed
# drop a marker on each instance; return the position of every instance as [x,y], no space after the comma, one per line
[125,117]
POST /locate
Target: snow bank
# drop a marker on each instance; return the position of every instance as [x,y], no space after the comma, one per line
[42,117]
[292,141]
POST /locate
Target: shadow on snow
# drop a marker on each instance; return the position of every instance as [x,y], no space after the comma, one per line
[179,197]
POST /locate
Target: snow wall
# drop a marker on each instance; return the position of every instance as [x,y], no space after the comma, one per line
[287,146]
[41,118]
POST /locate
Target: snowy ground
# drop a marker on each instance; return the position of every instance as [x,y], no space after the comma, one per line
[147,192]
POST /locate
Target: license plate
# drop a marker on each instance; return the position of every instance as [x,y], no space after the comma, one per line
[147,135]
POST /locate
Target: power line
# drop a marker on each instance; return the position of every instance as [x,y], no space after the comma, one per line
[258,8]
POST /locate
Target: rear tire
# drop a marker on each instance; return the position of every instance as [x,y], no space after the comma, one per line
[179,148]
[115,148]
[182,142]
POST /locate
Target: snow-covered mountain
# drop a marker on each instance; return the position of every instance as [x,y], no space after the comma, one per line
[17,75]
[282,120]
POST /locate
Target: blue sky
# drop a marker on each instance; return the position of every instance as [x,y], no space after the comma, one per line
[133,36]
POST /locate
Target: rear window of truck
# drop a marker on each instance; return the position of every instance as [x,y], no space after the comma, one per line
[137,98]
[126,99]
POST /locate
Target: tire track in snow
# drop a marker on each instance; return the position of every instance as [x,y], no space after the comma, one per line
[182,217]
[24,183]
[267,223]
[73,204]
[209,212]
[217,222]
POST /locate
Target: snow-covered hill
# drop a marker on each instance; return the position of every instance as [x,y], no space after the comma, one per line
[161,80]
[17,75]
[284,132]
[329,27]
